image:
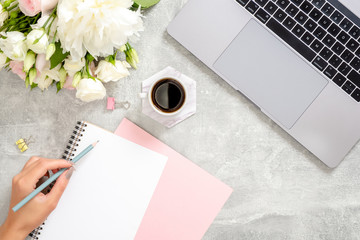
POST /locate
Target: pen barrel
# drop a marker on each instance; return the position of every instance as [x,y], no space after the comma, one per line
[83,153]
[38,190]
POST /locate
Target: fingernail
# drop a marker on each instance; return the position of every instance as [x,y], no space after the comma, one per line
[69,173]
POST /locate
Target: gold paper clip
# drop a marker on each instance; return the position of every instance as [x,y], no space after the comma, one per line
[23,144]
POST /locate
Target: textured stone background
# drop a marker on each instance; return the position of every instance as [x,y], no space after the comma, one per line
[281,191]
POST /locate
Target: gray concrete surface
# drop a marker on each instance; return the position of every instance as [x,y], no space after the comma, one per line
[281,191]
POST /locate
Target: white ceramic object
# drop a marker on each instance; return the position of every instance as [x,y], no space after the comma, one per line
[187,110]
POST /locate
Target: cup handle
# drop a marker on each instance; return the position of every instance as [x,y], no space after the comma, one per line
[142,95]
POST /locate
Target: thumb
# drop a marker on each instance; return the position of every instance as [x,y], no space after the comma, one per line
[60,185]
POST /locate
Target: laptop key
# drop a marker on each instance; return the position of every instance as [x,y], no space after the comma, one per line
[325,22]
[354,77]
[326,53]
[310,25]
[343,37]
[347,56]
[243,2]
[352,44]
[271,7]
[339,79]
[318,3]
[329,40]
[283,3]
[356,95]
[327,9]
[357,53]
[280,15]
[301,18]
[289,23]
[344,68]
[290,39]
[262,15]
[338,48]
[252,7]
[355,32]
[319,63]
[319,33]
[316,46]
[355,63]
[261,2]
[297,2]
[348,87]
[306,6]
[307,38]
[334,30]
[335,61]
[315,14]
[330,72]
[346,24]
[337,17]
[292,10]
[298,30]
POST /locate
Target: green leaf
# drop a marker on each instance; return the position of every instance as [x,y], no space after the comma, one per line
[144,3]
[58,56]
[58,87]
[33,85]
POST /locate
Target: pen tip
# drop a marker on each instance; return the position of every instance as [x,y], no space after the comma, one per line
[94,144]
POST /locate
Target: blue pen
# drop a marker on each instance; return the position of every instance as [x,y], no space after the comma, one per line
[52,178]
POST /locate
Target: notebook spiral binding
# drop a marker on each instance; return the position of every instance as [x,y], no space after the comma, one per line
[68,154]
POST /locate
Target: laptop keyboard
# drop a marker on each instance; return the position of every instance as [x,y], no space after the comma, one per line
[318,32]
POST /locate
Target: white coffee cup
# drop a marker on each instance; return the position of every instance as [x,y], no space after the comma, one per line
[156,86]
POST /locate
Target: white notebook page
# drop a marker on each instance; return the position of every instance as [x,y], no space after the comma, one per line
[109,192]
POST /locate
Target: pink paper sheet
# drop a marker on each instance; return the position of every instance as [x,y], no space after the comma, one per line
[186,200]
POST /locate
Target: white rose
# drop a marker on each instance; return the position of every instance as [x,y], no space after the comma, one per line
[42,41]
[47,76]
[72,66]
[53,74]
[3,59]
[13,45]
[89,90]
[107,72]
[43,81]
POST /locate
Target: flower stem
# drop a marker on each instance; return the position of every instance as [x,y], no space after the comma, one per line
[48,31]
[12,7]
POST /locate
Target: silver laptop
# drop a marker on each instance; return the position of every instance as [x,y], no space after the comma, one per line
[297,60]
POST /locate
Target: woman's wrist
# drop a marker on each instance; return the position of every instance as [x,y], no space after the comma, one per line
[8,232]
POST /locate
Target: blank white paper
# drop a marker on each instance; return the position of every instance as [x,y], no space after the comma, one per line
[109,192]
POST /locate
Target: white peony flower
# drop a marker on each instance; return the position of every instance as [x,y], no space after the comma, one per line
[89,90]
[3,60]
[73,66]
[41,41]
[97,26]
[13,45]
[107,72]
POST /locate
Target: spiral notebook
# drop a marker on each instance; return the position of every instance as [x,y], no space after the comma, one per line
[109,192]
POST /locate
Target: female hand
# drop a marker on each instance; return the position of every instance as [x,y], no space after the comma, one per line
[19,224]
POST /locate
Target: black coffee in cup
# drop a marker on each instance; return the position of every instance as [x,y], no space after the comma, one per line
[168,95]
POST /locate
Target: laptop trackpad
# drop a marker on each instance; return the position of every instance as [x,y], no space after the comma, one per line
[270,74]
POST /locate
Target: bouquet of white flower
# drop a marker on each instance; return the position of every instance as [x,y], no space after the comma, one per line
[73,44]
